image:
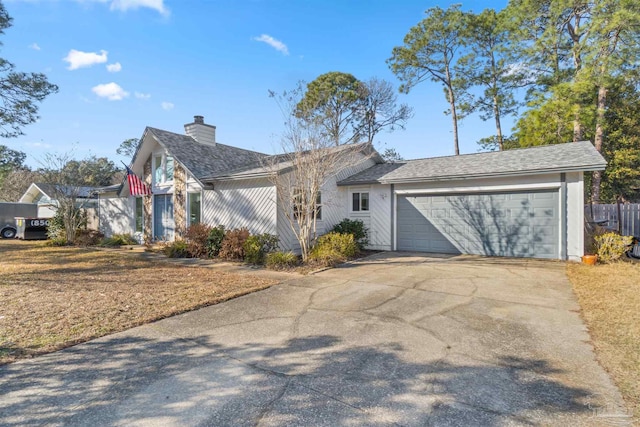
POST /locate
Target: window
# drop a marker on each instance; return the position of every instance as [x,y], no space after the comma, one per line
[139,215]
[194,201]
[162,169]
[298,205]
[360,202]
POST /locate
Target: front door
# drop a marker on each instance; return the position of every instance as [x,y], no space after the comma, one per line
[163,224]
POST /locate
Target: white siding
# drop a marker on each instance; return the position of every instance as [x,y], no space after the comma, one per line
[335,206]
[116,215]
[246,203]
[575,216]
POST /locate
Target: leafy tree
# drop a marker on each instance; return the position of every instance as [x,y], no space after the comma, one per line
[128,147]
[390,155]
[332,102]
[19,92]
[92,171]
[430,51]
[489,65]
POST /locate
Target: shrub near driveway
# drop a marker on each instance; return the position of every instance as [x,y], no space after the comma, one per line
[54,297]
[609,296]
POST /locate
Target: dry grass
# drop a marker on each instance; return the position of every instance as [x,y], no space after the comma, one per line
[610,299]
[54,297]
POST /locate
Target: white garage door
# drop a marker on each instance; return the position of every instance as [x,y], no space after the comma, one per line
[518,224]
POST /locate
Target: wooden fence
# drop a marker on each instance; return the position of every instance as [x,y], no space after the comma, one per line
[624,217]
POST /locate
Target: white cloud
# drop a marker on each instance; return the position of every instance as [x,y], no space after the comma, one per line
[166,106]
[111,91]
[78,59]
[114,68]
[141,95]
[34,46]
[274,43]
[125,5]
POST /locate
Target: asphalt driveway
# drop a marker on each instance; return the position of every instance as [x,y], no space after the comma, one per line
[396,339]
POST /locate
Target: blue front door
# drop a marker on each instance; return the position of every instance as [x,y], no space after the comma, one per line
[163,224]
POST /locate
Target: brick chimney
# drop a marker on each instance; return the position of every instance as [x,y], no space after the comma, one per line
[201,132]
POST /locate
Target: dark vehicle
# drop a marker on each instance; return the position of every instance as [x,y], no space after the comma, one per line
[8,214]
[32,228]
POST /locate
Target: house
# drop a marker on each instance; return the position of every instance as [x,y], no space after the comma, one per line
[44,195]
[522,203]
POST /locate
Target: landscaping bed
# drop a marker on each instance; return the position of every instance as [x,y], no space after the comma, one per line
[609,296]
[54,297]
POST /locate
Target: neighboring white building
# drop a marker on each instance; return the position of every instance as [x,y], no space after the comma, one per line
[522,203]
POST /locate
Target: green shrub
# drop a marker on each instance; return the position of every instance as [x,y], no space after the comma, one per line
[334,248]
[281,260]
[233,244]
[612,246]
[355,227]
[259,245]
[88,238]
[197,237]
[214,242]
[57,241]
[177,249]
[119,240]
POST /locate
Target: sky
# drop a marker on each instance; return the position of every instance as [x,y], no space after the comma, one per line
[122,65]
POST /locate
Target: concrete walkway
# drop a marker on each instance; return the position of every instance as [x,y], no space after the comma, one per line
[395,339]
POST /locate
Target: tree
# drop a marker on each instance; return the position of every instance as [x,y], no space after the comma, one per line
[19,92]
[489,66]
[16,182]
[68,179]
[390,155]
[429,53]
[128,147]
[92,171]
[331,102]
[311,158]
[379,109]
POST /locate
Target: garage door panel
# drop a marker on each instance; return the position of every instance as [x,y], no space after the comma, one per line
[523,224]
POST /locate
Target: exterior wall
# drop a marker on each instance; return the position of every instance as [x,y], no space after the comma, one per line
[180,200]
[148,203]
[378,218]
[46,210]
[335,206]
[575,215]
[247,203]
[116,215]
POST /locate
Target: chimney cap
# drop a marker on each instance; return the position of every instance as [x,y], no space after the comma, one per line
[198,119]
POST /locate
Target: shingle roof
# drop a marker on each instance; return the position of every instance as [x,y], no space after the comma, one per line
[205,160]
[576,156]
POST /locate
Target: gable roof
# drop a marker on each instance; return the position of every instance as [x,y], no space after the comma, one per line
[204,160]
[574,156]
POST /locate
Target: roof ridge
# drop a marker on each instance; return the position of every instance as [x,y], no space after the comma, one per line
[512,150]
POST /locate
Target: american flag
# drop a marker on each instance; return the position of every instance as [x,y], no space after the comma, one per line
[136,186]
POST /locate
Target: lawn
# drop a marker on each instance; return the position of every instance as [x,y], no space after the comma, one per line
[54,297]
[610,299]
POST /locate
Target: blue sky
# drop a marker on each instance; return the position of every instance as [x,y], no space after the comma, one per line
[122,65]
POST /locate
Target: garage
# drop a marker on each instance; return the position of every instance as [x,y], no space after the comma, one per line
[526,202]
[517,224]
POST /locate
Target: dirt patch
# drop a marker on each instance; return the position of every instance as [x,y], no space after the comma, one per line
[610,299]
[54,297]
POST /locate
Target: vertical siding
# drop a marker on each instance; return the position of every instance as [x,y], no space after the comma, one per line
[380,220]
[117,215]
[335,206]
[246,203]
